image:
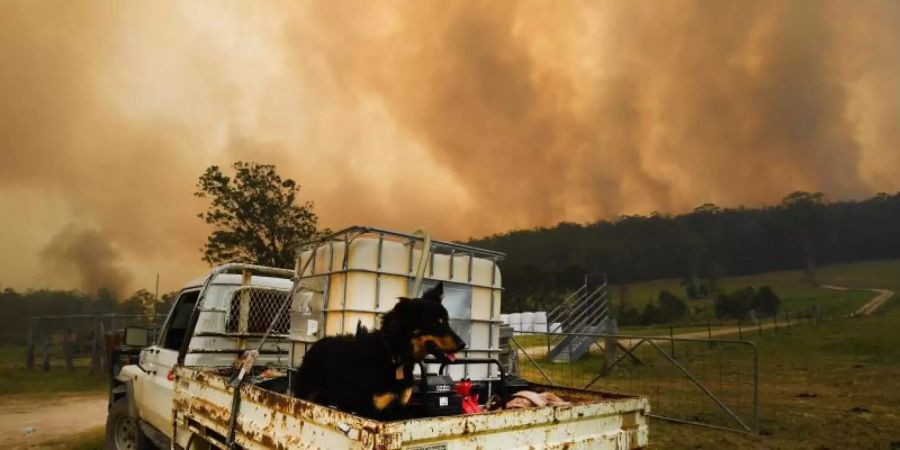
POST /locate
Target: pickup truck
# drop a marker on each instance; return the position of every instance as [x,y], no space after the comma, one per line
[196,387]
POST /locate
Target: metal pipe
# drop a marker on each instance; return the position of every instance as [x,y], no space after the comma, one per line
[408,276]
[491,313]
[371,230]
[536,365]
[378,275]
[564,302]
[195,313]
[344,265]
[701,386]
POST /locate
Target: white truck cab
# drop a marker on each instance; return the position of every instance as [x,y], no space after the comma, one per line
[207,335]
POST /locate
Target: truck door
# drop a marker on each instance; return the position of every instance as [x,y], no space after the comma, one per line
[158,360]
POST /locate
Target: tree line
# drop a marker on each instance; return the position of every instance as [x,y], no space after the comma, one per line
[669,308]
[701,247]
[256,216]
[19,307]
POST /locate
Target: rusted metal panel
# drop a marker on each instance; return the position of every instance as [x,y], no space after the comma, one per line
[268,420]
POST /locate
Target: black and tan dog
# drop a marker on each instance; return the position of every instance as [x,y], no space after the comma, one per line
[371,373]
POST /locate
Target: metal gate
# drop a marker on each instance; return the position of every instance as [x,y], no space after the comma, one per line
[708,382]
[72,337]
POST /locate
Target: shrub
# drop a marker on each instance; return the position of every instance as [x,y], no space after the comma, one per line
[735,305]
[766,302]
[671,307]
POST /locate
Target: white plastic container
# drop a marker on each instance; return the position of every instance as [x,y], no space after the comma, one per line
[540,322]
[515,321]
[527,322]
[359,275]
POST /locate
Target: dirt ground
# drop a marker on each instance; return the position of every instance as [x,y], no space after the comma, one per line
[27,421]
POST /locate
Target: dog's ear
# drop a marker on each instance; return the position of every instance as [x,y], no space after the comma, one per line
[435,294]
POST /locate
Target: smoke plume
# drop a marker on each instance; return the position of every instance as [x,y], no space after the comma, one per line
[467,118]
[88,254]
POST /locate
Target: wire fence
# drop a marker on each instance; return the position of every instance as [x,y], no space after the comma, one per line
[740,329]
[710,382]
[67,338]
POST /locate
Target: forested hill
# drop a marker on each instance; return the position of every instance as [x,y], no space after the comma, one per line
[803,231]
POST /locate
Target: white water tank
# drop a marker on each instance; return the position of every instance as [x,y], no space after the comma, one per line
[515,321]
[527,322]
[540,322]
[357,277]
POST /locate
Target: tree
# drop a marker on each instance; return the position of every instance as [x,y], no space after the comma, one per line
[255,216]
[142,302]
[651,315]
[803,212]
[166,301]
[735,305]
[766,302]
[105,301]
[671,307]
[701,247]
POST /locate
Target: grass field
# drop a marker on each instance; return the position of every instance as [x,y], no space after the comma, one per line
[834,385]
[16,379]
[796,294]
[793,288]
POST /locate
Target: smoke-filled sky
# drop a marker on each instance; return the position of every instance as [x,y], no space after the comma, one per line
[467,118]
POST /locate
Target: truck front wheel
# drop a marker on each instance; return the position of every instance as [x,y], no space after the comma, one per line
[123,431]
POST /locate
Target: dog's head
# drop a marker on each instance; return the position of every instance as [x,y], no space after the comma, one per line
[423,323]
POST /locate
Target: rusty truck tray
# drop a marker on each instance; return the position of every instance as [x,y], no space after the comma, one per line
[269,420]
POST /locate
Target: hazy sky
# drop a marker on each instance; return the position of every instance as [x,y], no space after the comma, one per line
[466,118]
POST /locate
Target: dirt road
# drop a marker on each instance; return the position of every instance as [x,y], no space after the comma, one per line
[870,306]
[26,421]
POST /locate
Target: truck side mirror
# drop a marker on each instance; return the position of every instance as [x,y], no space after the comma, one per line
[137,336]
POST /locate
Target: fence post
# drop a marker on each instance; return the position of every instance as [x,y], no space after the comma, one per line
[672,342]
[709,333]
[69,349]
[95,347]
[740,333]
[45,350]
[29,351]
[611,349]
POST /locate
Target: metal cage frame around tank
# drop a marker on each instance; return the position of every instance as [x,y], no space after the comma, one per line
[348,235]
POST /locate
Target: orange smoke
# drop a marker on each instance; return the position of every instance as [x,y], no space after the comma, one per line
[464,117]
